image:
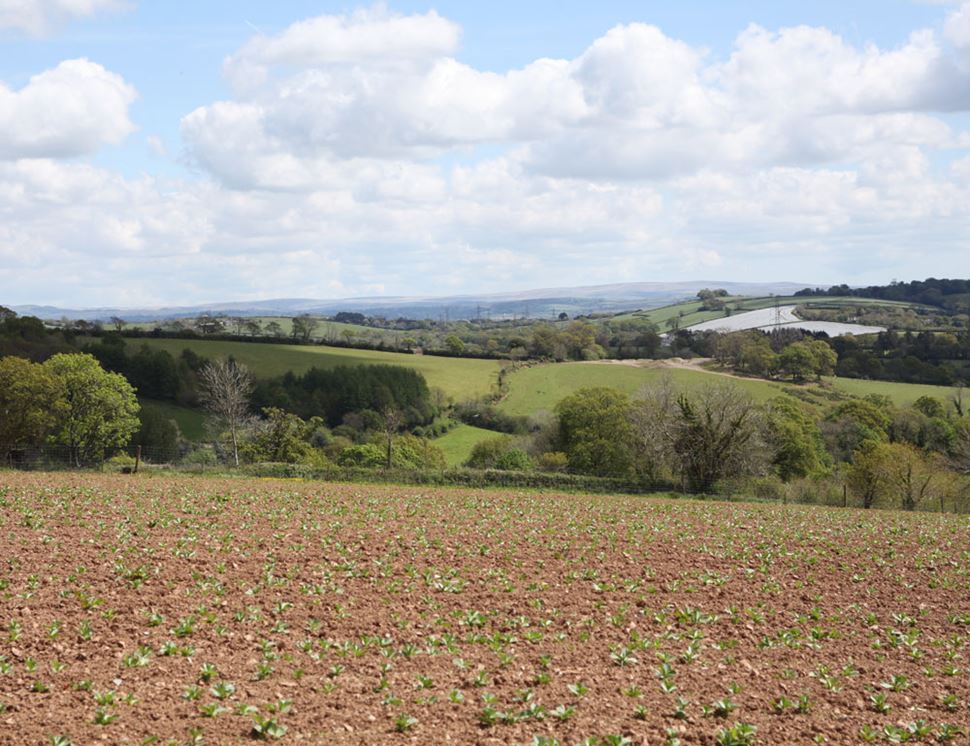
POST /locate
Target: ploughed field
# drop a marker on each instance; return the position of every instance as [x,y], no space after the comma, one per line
[186,610]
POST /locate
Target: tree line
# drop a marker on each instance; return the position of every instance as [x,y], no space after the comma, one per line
[717,438]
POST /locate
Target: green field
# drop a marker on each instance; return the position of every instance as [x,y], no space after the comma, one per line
[541,387]
[693,315]
[457,444]
[902,394]
[191,422]
[458,378]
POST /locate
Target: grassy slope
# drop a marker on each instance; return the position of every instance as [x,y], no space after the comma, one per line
[902,394]
[190,421]
[692,314]
[541,387]
[457,444]
[459,378]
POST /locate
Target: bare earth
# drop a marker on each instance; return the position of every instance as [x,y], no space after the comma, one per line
[138,610]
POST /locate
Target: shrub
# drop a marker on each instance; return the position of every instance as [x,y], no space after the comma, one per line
[367,455]
[514,460]
[554,461]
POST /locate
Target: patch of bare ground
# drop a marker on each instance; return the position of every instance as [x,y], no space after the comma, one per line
[182,610]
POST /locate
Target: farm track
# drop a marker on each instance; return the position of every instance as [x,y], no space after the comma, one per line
[487,617]
[698,364]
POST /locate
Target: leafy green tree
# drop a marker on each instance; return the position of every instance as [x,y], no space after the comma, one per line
[486,453]
[454,345]
[797,361]
[547,342]
[579,339]
[897,473]
[868,475]
[911,476]
[101,412]
[366,455]
[795,439]
[930,406]
[499,453]
[32,400]
[515,460]
[852,424]
[411,452]
[281,437]
[805,359]
[595,432]
[303,327]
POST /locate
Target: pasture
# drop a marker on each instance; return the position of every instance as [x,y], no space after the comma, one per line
[540,387]
[690,314]
[457,377]
[457,444]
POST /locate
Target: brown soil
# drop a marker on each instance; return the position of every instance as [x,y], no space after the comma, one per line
[700,364]
[356,606]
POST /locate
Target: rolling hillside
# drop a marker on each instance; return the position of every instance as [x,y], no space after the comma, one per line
[459,378]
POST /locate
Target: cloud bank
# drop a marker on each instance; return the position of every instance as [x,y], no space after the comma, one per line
[358,153]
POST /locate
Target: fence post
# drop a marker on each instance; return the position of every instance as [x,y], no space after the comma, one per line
[137,457]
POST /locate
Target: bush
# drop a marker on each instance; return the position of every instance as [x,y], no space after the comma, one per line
[122,463]
[760,488]
[368,456]
[514,460]
[486,453]
[481,414]
[201,456]
[555,461]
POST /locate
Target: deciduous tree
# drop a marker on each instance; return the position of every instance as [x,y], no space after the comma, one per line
[32,400]
[101,411]
[225,389]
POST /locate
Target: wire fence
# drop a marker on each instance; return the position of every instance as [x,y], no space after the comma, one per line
[62,457]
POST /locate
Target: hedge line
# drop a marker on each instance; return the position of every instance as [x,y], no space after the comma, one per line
[461,478]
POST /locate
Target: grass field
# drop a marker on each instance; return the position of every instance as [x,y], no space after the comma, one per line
[458,443]
[693,315]
[902,394]
[459,378]
[541,387]
[191,422]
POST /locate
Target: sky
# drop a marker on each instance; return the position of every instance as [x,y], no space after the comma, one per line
[175,153]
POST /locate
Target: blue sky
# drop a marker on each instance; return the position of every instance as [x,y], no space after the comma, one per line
[166,153]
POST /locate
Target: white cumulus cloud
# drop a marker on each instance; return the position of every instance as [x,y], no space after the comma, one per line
[70,110]
[37,17]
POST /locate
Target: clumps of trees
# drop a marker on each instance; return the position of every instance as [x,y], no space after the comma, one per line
[504,453]
[349,416]
[712,300]
[68,401]
[695,438]
[359,392]
[716,438]
[752,352]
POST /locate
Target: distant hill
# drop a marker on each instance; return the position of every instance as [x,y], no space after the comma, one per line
[541,303]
